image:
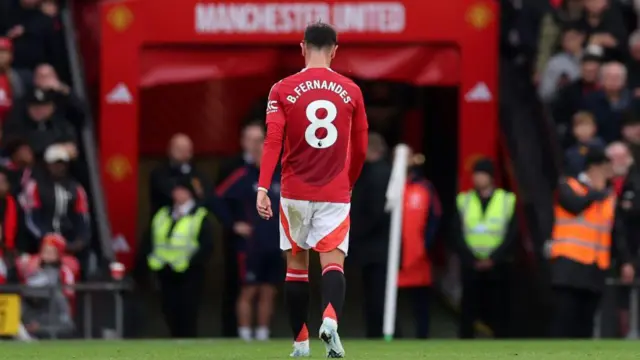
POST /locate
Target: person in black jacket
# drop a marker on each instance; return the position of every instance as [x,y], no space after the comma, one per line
[180,288]
[578,287]
[251,140]
[32,33]
[38,123]
[179,165]
[370,231]
[251,137]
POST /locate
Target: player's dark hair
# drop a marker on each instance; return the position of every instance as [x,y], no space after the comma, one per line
[320,35]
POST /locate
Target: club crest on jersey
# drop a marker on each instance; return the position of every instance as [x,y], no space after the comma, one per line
[272,106]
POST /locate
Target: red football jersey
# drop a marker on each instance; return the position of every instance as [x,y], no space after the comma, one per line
[321,112]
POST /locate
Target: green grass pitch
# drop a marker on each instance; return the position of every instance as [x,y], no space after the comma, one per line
[356,350]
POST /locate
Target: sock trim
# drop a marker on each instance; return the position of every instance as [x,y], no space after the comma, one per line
[330,312]
[303,335]
[332,267]
[297,275]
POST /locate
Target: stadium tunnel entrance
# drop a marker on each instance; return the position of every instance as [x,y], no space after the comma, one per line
[158,77]
[208,93]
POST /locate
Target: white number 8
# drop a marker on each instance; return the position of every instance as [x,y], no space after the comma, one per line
[326,123]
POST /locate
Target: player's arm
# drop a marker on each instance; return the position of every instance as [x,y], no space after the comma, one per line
[273,140]
[359,140]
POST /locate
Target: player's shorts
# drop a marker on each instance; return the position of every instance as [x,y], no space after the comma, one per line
[261,268]
[321,226]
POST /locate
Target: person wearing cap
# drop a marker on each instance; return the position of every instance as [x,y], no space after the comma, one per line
[12,86]
[49,267]
[55,202]
[485,233]
[40,125]
[176,250]
[588,228]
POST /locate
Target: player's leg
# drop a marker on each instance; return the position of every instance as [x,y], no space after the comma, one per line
[329,235]
[296,285]
[296,293]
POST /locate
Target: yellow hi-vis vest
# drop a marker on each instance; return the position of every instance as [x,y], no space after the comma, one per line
[174,249]
[484,232]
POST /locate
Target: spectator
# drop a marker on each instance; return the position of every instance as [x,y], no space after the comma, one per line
[621,161]
[32,33]
[629,208]
[19,164]
[68,105]
[565,63]
[551,24]
[484,233]
[55,202]
[369,234]
[39,124]
[631,134]
[571,98]
[611,102]
[581,248]
[584,131]
[11,84]
[420,221]
[12,231]
[604,26]
[50,267]
[178,165]
[634,63]
[176,249]
[251,138]
[262,258]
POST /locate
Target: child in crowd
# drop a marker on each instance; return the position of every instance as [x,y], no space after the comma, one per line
[584,130]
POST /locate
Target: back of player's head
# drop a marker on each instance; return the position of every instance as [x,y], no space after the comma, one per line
[320,35]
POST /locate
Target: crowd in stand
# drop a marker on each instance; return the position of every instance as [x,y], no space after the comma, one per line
[44,214]
[585,56]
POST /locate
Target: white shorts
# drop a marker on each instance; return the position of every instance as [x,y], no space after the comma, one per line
[322,226]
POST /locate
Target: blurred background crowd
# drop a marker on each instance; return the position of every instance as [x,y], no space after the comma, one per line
[580,57]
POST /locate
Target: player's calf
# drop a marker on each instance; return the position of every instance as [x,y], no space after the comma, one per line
[333,293]
[296,292]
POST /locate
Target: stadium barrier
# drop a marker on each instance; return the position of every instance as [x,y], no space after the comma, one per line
[11,309]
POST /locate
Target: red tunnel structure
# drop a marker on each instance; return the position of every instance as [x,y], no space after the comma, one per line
[158,59]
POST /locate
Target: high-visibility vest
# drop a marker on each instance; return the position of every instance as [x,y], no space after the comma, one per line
[485,231]
[174,249]
[585,238]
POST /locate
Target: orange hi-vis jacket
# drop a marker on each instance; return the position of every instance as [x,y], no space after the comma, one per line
[585,238]
[415,266]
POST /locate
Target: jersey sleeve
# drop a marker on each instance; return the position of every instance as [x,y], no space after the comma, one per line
[275,111]
[360,122]
[273,141]
[359,141]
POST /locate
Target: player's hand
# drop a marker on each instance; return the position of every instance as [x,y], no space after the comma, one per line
[263,204]
[627,273]
[243,229]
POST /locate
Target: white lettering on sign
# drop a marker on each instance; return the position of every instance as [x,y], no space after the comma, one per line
[283,18]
